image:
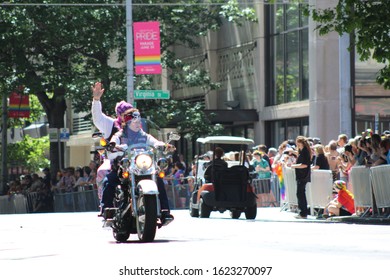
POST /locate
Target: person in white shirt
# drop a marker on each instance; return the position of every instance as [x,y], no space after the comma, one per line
[106,125]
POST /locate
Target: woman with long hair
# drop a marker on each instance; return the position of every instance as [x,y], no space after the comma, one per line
[302,173]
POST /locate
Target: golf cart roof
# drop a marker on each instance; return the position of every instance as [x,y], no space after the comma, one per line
[225,140]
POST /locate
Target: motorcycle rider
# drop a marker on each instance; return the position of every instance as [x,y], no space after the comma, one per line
[108,126]
[132,133]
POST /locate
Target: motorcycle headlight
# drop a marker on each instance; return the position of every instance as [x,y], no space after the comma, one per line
[143,162]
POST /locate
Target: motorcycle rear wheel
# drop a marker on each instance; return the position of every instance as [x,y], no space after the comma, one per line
[147,217]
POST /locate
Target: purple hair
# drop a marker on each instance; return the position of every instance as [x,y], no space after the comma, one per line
[120,108]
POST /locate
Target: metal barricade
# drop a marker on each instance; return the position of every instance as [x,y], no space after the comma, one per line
[290,184]
[360,177]
[80,201]
[380,176]
[319,190]
[13,204]
[267,191]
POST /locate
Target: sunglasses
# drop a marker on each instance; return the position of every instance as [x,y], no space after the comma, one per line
[132,117]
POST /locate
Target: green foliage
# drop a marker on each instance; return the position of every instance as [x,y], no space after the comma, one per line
[59,51]
[30,153]
[367,21]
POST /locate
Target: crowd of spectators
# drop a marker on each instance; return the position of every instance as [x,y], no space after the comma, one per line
[338,155]
[40,188]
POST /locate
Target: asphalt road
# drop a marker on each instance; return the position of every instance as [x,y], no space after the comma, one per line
[274,246]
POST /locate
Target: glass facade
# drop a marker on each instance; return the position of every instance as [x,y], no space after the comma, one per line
[288,33]
[288,78]
[372,112]
[286,129]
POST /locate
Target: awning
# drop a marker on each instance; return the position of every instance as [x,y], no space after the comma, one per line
[36,130]
[232,116]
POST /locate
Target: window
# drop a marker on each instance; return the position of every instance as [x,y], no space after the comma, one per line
[288,32]
[372,113]
[281,130]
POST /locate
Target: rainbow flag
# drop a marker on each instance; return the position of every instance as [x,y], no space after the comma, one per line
[279,173]
[19,106]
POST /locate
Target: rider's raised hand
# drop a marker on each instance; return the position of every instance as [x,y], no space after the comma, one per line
[97,91]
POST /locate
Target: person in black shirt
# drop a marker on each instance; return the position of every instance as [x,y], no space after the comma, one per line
[302,173]
[320,161]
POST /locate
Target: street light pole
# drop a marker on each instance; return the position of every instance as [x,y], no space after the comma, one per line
[4,169]
[129,52]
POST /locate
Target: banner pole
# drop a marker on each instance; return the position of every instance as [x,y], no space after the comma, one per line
[129,52]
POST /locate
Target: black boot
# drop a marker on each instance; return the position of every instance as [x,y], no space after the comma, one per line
[166,217]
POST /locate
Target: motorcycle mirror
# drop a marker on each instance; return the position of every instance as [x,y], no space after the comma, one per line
[173,136]
[97,135]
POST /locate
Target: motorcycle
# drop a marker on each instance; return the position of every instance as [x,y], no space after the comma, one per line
[137,206]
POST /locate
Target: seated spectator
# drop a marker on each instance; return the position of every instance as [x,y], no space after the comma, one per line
[343,204]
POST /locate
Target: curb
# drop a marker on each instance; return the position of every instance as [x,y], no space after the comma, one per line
[360,220]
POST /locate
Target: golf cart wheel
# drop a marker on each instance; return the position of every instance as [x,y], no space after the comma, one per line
[193,212]
[204,210]
[235,214]
[251,212]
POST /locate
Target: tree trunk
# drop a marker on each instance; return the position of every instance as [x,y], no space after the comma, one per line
[55,109]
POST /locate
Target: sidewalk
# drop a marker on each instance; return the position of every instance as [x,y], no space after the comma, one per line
[274,214]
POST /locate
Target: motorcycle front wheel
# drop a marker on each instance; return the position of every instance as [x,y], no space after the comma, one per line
[147,217]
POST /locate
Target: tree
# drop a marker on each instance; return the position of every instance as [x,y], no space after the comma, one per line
[29,153]
[367,22]
[57,51]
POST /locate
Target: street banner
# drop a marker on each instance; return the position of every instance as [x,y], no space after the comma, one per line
[147,48]
[19,106]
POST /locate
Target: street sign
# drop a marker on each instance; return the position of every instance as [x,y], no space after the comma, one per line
[53,134]
[151,94]
[64,134]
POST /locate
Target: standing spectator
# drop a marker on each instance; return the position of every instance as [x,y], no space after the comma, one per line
[178,183]
[26,181]
[332,157]
[321,162]
[66,185]
[261,166]
[342,140]
[264,151]
[190,188]
[46,177]
[263,175]
[302,173]
[272,152]
[346,162]
[385,147]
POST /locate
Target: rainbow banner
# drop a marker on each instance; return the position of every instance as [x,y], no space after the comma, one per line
[147,47]
[19,106]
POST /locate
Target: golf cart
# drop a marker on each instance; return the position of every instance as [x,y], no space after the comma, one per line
[220,187]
